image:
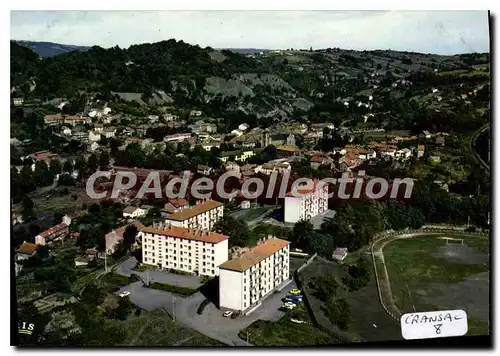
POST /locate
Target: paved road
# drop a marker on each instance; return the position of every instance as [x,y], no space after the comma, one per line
[125,269]
[211,323]
[473,145]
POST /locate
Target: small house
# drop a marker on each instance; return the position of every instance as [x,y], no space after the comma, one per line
[81,261]
[174,205]
[420,150]
[440,140]
[245,204]
[133,212]
[203,169]
[339,254]
[316,162]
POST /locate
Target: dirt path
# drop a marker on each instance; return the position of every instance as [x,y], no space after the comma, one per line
[182,341]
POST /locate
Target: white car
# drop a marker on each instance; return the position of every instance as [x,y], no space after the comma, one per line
[288,306]
[227,314]
[124,294]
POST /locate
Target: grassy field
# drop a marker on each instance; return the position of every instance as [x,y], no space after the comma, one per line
[364,305]
[56,202]
[156,328]
[284,332]
[427,274]
[112,282]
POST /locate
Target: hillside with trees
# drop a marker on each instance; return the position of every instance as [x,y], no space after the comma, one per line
[414,91]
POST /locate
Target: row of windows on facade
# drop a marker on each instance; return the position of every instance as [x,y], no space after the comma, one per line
[264,264]
[175,258]
[160,239]
[261,279]
[152,247]
[205,270]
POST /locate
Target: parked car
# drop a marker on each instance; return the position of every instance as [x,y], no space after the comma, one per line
[288,306]
[293,300]
[124,294]
[294,291]
[227,314]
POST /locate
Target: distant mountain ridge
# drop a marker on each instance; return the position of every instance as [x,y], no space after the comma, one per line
[248,50]
[51,49]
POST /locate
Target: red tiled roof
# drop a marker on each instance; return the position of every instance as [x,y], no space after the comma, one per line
[27,248]
[195,210]
[317,159]
[53,230]
[119,231]
[304,190]
[184,233]
[178,202]
[255,255]
[134,139]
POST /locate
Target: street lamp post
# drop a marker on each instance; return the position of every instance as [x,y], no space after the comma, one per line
[173,298]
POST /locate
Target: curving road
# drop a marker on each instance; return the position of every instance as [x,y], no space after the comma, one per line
[473,145]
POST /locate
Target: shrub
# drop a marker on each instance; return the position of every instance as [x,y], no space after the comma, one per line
[133,278]
[202,306]
[170,288]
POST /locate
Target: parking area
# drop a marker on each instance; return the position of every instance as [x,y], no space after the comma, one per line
[148,298]
[212,322]
[156,275]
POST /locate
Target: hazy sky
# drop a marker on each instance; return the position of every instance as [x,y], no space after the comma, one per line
[445,32]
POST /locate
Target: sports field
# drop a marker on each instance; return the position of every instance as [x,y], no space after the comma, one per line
[441,272]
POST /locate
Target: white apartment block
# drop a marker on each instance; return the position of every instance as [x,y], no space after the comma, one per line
[244,281]
[309,203]
[202,216]
[187,250]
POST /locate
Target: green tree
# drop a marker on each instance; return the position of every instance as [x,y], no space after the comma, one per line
[104,159]
[27,206]
[302,233]
[337,310]
[235,228]
[129,236]
[67,166]
[92,162]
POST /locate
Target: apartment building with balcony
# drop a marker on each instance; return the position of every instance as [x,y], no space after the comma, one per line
[245,281]
[202,216]
[188,250]
[307,204]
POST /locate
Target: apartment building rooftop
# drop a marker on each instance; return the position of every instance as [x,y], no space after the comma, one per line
[195,210]
[255,255]
[304,189]
[184,233]
[53,230]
